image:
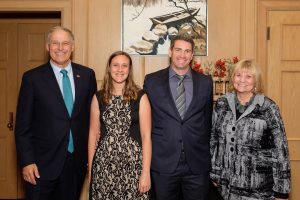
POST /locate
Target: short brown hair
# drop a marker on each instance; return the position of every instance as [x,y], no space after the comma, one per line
[184,37]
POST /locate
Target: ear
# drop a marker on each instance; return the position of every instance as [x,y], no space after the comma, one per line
[47,46]
[73,47]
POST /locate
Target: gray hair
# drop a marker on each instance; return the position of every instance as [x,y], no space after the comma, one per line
[56,28]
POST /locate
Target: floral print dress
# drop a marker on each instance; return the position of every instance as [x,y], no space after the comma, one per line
[117,162]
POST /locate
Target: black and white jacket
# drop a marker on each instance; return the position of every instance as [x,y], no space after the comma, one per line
[250,154]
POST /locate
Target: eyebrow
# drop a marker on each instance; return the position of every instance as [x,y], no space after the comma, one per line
[179,48]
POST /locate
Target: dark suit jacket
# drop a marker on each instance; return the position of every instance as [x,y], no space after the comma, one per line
[43,123]
[167,125]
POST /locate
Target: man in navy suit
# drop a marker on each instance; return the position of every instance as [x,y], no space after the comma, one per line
[51,135]
[180,129]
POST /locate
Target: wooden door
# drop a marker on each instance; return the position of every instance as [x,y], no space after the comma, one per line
[8,91]
[284,81]
[24,49]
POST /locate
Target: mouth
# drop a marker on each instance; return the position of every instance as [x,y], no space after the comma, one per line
[242,85]
[119,75]
[59,53]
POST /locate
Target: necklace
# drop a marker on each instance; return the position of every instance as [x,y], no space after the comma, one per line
[240,107]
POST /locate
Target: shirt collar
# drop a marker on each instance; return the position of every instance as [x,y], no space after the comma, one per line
[172,73]
[57,69]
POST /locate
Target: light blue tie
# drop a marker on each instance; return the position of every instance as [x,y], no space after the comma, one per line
[68,98]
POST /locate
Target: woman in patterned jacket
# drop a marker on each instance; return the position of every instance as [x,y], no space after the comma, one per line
[248,143]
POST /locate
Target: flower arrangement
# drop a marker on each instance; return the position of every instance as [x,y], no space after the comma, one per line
[221,69]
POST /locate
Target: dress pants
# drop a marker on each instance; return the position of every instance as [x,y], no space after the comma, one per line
[182,184]
[66,187]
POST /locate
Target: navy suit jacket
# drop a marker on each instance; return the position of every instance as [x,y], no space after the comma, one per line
[168,128]
[43,123]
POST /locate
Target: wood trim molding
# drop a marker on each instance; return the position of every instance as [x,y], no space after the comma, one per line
[63,6]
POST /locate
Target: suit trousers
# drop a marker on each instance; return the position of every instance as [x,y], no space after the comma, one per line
[182,184]
[66,187]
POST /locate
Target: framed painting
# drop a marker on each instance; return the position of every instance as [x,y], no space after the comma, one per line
[149,25]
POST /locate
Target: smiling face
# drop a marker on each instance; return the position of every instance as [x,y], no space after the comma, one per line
[119,69]
[181,55]
[244,81]
[60,47]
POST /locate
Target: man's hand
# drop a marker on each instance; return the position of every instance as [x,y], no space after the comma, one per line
[30,172]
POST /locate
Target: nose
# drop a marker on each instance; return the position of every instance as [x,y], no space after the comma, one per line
[60,46]
[119,68]
[243,78]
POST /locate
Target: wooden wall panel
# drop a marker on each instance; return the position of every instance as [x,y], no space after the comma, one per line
[104,36]
[80,29]
[223,29]
[248,29]
[290,44]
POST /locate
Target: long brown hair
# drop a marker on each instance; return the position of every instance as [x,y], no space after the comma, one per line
[130,90]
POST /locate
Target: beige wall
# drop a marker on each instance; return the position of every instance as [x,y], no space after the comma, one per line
[224,35]
[97,27]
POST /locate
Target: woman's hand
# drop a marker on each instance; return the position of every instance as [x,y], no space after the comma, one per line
[144,183]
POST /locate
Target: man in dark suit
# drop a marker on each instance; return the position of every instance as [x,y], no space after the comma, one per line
[53,122]
[181,102]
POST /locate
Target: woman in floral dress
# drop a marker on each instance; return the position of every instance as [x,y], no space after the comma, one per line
[120,135]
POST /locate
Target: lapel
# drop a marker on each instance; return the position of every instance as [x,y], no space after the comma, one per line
[169,98]
[258,99]
[195,94]
[51,82]
[231,102]
[77,75]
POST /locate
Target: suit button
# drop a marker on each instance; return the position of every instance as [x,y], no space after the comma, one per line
[180,141]
[233,128]
[181,123]
[232,139]
[231,149]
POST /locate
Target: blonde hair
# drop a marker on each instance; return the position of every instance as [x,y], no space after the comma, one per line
[250,66]
[130,91]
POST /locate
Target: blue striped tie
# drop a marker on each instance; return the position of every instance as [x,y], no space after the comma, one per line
[68,98]
[180,99]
